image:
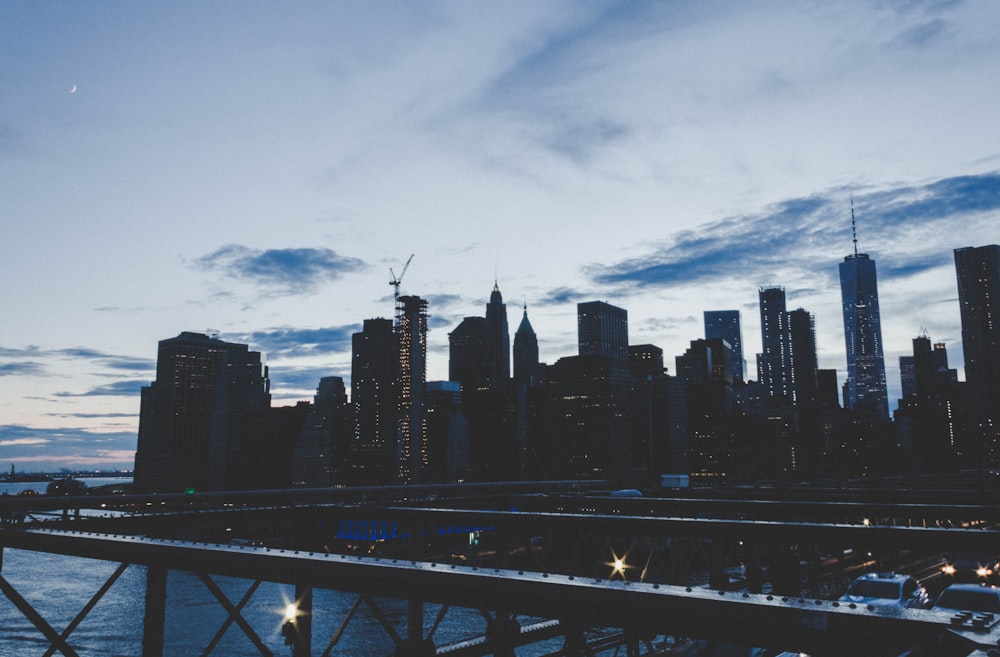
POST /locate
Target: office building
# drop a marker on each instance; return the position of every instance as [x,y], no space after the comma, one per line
[468,363]
[497,338]
[978,272]
[527,368]
[189,415]
[774,367]
[726,324]
[602,330]
[865,389]
[374,359]
[412,375]
[321,458]
[804,363]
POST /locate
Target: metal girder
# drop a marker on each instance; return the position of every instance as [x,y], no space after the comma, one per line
[36,619]
[526,522]
[817,627]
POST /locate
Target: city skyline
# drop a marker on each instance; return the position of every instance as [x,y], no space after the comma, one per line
[258,171]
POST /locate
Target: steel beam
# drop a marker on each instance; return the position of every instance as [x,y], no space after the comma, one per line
[811,626]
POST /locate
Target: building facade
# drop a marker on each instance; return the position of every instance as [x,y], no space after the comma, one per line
[978,272]
[188,416]
[602,330]
[726,324]
[865,389]
[774,363]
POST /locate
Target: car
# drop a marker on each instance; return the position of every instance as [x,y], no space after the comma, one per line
[969,597]
[887,590]
[971,568]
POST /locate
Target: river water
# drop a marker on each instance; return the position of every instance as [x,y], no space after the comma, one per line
[58,587]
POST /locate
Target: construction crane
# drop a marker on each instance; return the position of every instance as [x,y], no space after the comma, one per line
[395,281]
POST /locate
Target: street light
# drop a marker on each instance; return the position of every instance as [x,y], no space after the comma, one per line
[289,630]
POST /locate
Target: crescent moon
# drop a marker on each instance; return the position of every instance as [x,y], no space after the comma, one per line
[73,89]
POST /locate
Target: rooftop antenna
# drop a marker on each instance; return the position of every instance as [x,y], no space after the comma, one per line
[854,229]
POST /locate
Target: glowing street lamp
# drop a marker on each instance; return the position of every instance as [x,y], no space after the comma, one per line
[288,628]
[618,566]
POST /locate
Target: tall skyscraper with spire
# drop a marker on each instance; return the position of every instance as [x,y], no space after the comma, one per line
[497,337]
[865,389]
[526,364]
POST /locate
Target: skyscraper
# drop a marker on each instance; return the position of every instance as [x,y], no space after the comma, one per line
[774,365]
[410,418]
[320,452]
[202,384]
[602,330]
[802,338]
[374,361]
[726,324]
[468,363]
[479,348]
[526,364]
[865,389]
[497,338]
[978,270]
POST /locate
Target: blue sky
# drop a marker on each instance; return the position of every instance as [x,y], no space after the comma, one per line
[255,168]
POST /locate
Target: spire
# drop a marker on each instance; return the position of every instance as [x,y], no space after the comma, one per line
[854,229]
[525,325]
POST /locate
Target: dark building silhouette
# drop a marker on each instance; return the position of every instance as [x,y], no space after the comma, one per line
[907,376]
[468,362]
[804,363]
[706,367]
[527,367]
[978,272]
[586,416]
[602,330]
[321,457]
[374,361]
[865,390]
[827,390]
[190,416]
[726,324]
[658,411]
[412,376]
[447,433]
[930,417]
[263,457]
[497,338]
[774,367]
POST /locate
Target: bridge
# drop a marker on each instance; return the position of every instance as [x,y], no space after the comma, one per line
[547,571]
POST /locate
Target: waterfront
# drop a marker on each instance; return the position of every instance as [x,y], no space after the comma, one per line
[59,586]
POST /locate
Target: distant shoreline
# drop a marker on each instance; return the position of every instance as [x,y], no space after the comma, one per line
[34,477]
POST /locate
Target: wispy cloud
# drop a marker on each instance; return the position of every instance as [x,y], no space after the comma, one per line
[26,368]
[130,388]
[23,441]
[786,240]
[562,295]
[292,342]
[291,271]
[289,382]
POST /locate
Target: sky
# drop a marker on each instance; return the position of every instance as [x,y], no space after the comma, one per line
[257,168]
